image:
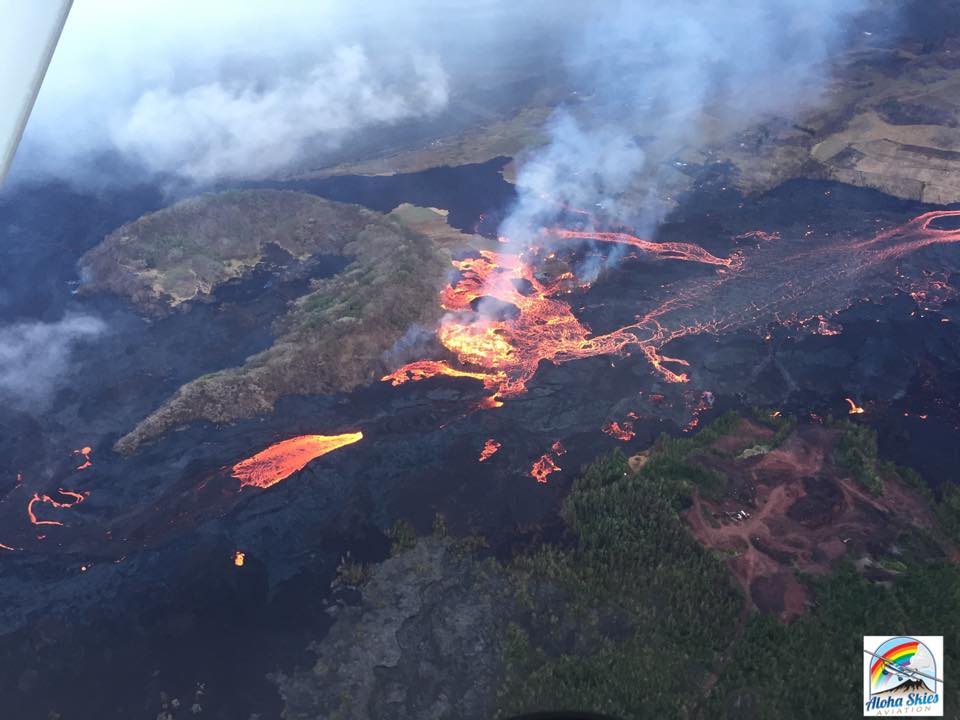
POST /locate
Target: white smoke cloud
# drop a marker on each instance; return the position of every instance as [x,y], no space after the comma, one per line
[216,130]
[226,89]
[662,76]
[239,89]
[35,355]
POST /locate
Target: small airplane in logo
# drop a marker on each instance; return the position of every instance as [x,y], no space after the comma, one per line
[902,672]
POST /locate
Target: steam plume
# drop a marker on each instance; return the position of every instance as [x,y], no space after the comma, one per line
[663,76]
[35,355]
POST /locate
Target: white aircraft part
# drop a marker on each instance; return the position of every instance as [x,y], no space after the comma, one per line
[29,31]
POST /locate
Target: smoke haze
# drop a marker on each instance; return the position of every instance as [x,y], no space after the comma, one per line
[34,356]
[221,90]
[214,90]
[661,77]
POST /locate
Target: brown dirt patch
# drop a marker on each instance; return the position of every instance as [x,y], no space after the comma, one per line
[793,510]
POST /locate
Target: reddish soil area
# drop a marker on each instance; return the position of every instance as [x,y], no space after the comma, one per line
[792,510]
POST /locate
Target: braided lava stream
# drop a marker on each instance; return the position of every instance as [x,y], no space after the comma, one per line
[781,281]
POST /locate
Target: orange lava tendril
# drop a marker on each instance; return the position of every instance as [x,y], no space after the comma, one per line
[854,408]
[85,453]
[76,499]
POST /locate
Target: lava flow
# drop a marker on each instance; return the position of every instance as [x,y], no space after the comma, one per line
[619,431]
[546,463]
[77,498]
[543,467]
[666,250]
[854,408]
[85,453]
[503,319]
[489,448]
[282,459]
[507,351]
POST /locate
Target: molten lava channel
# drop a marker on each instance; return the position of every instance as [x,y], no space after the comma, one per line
[281,460]
[780,282]
[506,352]
[75,498]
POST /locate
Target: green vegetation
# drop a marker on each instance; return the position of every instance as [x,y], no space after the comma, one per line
[439,527]
[856,452]
[812,668]
[351,573]
[403,537]
[782,424]
[948,511]
[674,603]
[337,335]
[634,618]
[673,465]
[184,251]
[471,544]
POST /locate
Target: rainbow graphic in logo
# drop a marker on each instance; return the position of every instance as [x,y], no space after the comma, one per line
[900,660]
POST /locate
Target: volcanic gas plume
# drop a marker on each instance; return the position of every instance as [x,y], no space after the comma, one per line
[282,459]
[794,283]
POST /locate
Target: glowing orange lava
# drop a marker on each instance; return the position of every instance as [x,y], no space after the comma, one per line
[854,408]
[76,499]
[429,368]
[779,281]
[85,453]
[758,235]
[489,448]
[546,463]
[543,467]
[623,432]
[507,351]
[282,459]
[239,558]
[666,250]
